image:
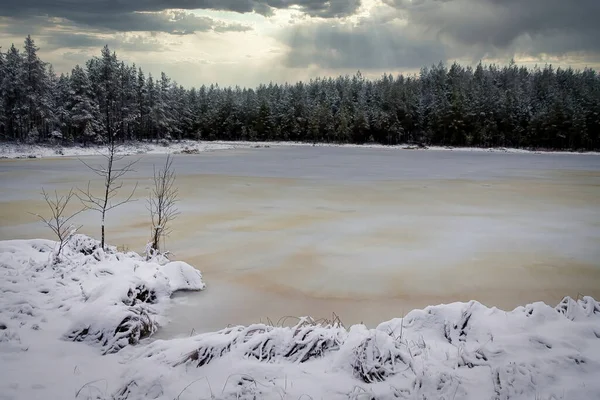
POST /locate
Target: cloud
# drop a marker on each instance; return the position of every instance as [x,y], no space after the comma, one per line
[408,34]
[175,22]
[319,8]
[313,37]
[73,40]
[169,21]
[508,24]
[9,26]
[151,15]
[369,45]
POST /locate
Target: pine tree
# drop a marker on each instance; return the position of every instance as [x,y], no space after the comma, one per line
[13,94]
[60,95]
[105,70]
[2,105]
[36,89]
[163,108]
[153,106]
[84,112]
[141,99]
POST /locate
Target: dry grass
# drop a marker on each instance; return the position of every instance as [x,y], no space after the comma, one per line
[306,340]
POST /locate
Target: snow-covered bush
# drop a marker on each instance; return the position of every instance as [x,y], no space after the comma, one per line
[114,299]
[305,341]
[115,330]
[33,136]
[87,246]
[379,356]
[126,291]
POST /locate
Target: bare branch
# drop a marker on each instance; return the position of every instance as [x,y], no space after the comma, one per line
[58,222]
[127,200]
[111,174]
[117,173]
[88,199]
[162,202]
[97,170]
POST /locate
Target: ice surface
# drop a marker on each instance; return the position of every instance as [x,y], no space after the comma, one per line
[366,233]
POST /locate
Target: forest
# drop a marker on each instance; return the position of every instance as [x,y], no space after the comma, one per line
[485,106]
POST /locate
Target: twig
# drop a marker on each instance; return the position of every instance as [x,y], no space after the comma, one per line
[111,174]
[162,203]
[194,381]
[58,222]
[89,383]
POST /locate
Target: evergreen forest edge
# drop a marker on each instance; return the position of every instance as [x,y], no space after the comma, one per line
[485,106]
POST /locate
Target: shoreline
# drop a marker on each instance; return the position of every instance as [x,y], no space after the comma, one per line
[11,150]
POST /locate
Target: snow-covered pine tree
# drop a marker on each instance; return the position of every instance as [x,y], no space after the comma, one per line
[163,108]
[35,91]
[153,107]
[60,95]
[141,100]
[13,94]
[83,110]
[103,72]
[2,110]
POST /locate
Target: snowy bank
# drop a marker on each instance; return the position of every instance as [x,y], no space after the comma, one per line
[16,150]
[455,351]
[111,301]
[243,144]
[19,150]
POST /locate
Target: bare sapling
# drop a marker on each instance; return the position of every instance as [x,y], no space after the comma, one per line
[162,204]
[59,221]
[111,174]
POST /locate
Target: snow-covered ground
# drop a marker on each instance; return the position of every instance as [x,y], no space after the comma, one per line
[70,330]
[17,150]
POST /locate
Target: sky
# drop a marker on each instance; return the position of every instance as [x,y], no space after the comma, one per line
[247,42]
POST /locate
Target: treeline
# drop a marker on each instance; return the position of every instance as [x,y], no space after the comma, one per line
[458,106]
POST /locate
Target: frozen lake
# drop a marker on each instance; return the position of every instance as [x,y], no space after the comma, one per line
[366,233]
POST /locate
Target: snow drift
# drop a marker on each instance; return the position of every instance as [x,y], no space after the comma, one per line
[455,351]
[112,301]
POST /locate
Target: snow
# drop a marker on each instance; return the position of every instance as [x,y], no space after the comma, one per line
[20,150]
[453,351]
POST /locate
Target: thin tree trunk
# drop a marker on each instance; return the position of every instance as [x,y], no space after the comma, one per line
[102,242]
[156,238]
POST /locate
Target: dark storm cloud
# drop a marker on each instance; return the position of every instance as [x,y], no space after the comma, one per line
[169,21]
[409,34]
[174,22]
[502,23]
[125,15]
[73,9]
